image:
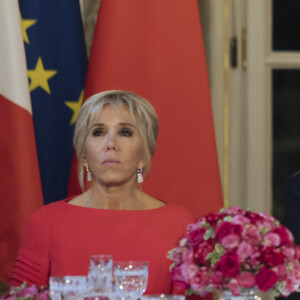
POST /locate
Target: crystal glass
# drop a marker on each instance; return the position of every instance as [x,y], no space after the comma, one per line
[67,287]
[163,297]
[99,281]
[130,279]
[96,297]
[246,294]
[100,274]
[102,261]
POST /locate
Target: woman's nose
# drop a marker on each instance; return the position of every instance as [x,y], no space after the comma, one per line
[111,143]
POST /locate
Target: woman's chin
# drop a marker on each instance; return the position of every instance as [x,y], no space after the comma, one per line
[113,182]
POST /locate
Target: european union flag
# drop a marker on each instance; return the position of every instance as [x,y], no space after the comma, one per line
[56,63]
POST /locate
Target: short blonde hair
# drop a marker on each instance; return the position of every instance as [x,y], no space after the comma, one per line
[141,111]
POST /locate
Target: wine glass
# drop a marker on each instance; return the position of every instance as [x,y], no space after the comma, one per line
[56,284]
[67,287]
[163,297]
[100,274]
[130,279]
[102,261]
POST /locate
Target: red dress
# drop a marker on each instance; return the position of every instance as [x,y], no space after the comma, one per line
[60,238]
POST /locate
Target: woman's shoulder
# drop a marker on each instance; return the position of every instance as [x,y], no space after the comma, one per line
[52,207]
[179,211]
[173,211]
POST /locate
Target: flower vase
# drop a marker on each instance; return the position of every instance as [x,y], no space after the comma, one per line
[247,294]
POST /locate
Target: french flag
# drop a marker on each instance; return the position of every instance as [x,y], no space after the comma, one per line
[20,185]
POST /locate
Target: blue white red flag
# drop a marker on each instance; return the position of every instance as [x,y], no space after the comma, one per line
[56,64]
[20,186]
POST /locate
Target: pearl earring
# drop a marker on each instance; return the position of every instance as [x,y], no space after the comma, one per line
[88,172]
[139,176]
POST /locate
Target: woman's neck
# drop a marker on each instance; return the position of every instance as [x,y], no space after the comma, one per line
[123,197]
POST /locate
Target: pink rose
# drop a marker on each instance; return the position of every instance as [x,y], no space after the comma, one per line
[193,226]
[251,234]
[234,210]
[266,221]
[217,279]
[230,241]
[228,264]
[234,287]
[240,220]
[9,298]
[226,228]
[176,255]
[187,256]
[280,271]
[188,271]
[43,296]
[246,279]
[200,281]
[202,250]
[28,292]
[196,236]
[293,277]
[244,251]
[288,252]
[178,278]
[265,279]
[254,260]
[271,239]
[270,256]
[267,217]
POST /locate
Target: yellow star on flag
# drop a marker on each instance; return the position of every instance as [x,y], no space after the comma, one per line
[39,77]
[75,106]
[26,23]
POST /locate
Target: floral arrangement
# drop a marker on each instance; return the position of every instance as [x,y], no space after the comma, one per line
[234,250]
[25,292]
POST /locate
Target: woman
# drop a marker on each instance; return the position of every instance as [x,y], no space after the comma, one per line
[115,139]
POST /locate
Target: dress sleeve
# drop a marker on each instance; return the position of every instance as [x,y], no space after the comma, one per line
[32,262]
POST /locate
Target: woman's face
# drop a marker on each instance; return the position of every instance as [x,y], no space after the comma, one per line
[114,147]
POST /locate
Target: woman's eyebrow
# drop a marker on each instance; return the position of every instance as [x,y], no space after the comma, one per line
[119,124]
[127,124]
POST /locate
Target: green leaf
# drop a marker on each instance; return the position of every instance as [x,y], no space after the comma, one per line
[209,233]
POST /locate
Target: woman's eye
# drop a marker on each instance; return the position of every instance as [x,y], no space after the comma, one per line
[126,132]
[97,132]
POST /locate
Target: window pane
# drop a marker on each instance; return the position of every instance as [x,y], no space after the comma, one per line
[286,25]
[286,132]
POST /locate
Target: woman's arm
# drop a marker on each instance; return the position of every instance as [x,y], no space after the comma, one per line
[32,262]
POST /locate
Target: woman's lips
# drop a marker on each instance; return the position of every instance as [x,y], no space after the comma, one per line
[111,162]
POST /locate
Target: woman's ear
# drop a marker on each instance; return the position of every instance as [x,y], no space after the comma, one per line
[141,164]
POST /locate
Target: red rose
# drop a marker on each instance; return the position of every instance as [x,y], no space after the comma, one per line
[253,216]
[270,256]
[286,238]
[212,219]
[201,251]
[196,236]
[178,278]
[228,264]
[227,228]
[265,279]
